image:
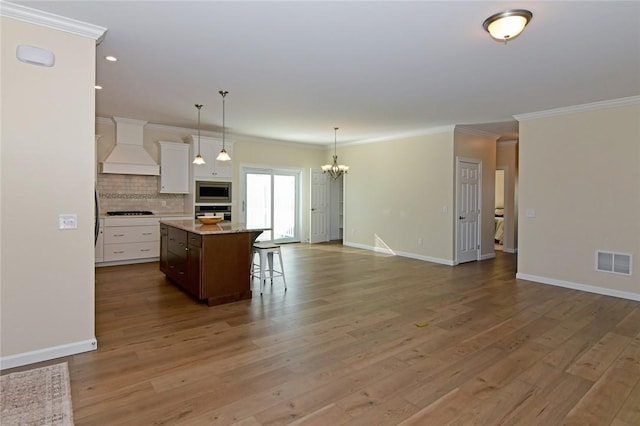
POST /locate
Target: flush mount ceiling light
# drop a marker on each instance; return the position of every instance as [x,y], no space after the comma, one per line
[111,58]
[223,156]
[506,25]
[198,160]
[335,170]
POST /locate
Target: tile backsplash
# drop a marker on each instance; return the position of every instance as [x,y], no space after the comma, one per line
[136,192]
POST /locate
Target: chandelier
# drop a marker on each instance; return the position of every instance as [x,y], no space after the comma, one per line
[335,170]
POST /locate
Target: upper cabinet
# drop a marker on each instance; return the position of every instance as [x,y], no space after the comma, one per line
[209,150]
[174,168]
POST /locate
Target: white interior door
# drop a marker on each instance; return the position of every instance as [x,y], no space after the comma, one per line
[319,214]
[467,210]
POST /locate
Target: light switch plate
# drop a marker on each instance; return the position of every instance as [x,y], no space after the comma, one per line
[67,221]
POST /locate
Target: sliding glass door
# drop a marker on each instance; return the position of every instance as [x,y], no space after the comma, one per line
[272,200]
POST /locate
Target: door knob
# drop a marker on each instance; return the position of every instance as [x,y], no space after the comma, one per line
[462,217]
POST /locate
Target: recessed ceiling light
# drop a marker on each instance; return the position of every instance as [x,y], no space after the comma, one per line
[111,58]
[98,87]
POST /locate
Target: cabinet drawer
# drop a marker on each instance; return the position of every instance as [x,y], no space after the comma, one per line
[131,234]
[128,251]
[194,240]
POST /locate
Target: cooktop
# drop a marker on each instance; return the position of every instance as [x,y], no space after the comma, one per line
[130,213]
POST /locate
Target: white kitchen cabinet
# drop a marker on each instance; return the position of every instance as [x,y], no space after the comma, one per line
[209,149]
[131,238]
[174,168]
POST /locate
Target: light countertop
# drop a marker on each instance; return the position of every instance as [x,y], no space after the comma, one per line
[223,227]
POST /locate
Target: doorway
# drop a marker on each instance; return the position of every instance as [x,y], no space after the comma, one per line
[499,212]
[271,199]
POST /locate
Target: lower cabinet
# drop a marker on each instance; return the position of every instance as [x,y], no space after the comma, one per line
[131,239]
[181,262]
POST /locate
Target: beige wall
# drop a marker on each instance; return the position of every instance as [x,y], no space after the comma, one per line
[482,148]
[47,275]
[580,172]
[396,195]
[507,160]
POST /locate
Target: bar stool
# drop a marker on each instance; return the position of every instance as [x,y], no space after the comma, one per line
[265,252]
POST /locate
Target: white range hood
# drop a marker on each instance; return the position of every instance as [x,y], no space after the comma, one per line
[128,156]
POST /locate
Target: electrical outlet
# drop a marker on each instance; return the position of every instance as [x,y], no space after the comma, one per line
[67,221]
[420,241]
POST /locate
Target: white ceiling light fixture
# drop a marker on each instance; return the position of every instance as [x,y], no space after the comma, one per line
[223,156]
[506,25]
[198,161]
[335,170]
[111,58]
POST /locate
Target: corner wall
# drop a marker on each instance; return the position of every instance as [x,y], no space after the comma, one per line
[579,192]
[399,196]
[47,169]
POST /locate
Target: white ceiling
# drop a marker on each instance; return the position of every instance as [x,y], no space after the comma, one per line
[295,70]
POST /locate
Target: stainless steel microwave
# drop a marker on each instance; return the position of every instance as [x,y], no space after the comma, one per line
[213,192]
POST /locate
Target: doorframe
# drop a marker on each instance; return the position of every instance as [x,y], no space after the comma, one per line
[507,211]
[455,208]
[247,167]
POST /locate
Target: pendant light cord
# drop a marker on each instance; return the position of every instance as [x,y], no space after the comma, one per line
[198,106]
[224,94]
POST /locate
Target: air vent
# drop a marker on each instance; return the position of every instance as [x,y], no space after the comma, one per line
[617,263]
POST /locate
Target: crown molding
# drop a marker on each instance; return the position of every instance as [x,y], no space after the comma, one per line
[218,135]
[508,142]
[46,19]
[632,100]
[469,130]
[396,136]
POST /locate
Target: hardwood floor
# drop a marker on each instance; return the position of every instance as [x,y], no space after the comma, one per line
[360,338]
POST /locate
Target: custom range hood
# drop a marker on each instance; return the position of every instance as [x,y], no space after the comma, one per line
[128,156]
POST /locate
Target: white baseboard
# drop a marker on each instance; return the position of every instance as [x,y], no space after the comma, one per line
[487,256]
[401,253]
[509,250]
[582,287]
[48,353]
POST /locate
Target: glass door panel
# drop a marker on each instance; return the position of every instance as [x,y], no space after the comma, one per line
[272,201]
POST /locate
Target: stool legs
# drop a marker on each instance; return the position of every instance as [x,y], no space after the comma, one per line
[266,256]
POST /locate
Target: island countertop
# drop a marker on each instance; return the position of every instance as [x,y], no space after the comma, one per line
[223,227]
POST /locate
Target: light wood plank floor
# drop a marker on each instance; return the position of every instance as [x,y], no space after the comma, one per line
[360,338]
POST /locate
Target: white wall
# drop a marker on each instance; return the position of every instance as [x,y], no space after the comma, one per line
[580,173]
[47,169]
[396,194]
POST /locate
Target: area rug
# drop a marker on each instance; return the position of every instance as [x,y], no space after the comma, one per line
[41,396]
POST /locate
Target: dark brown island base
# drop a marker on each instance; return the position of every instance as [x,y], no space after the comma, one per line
[210,262]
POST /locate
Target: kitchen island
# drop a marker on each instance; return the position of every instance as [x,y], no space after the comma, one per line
[210,262]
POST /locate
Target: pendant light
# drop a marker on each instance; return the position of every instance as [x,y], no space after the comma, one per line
[198,160]
[506,25]
[335,170]
[223,156]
